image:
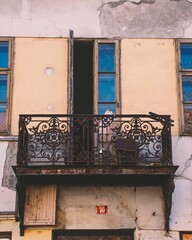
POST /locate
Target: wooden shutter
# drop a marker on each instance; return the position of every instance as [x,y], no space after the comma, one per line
[40,205]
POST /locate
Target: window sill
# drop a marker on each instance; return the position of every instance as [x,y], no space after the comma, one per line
[7,215]
[8,138]
[186,134]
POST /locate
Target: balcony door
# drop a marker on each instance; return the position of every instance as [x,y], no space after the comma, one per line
[94,77]
[83,91]
[94,89]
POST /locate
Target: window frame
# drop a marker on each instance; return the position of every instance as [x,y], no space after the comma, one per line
[70,87]
[184,233]
[96,72]
[8,71]
[5,235]
[93,232]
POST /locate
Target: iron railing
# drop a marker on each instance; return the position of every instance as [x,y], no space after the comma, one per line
[87,140]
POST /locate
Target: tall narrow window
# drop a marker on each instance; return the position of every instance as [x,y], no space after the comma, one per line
[5,72]
[95,80]
[185,71]
[107,78]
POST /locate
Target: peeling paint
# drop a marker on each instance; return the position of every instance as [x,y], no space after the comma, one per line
[146,18]
[143,1]
[114,18]
[9,179]
[116,4]
[181,216]
[49,71]
[157,235]
[76,207]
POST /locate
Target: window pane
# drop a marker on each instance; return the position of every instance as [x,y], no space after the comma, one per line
[3,88]
[4,54]
[2,117]
[107,109]
[107,88]
[107,57]
[188,118]
[186,56]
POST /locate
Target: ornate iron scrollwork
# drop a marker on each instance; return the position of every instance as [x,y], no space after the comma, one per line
[94,139]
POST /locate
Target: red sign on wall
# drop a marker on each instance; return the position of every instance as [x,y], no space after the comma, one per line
[102,209]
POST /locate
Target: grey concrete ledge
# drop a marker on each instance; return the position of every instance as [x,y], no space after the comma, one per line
[8,138]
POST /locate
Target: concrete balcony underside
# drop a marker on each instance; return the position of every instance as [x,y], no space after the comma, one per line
[103,175]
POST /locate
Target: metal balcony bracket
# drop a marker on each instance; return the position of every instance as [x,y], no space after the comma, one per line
[21,204]
[168,188]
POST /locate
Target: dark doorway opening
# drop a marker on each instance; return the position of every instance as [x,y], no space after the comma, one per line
[119,234]
[83,101]
[83,77]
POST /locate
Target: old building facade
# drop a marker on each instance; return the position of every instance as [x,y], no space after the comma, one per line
[95,119]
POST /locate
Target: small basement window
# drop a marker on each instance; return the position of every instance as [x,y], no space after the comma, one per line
[5,235]
[185,235]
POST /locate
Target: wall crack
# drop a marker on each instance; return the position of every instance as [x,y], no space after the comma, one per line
[136,2]
[186,166]
[112,4]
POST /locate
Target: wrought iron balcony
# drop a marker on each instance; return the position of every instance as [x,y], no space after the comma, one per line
[94,140]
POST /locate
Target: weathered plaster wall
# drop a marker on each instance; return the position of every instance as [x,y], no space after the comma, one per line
[156,235]
[128,207]
[7,196]
[40,77]
[9,178]
[147,18]
[99,18]
[55,18]
[181,214]
[148,78]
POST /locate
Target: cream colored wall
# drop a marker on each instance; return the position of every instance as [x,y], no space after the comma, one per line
[30,234]
[148,77]
[40,77]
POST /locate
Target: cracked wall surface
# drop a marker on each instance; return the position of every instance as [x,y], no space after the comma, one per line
[156,235]
[146,19]
[181,214]
[7,177]
[115,18]
[140,207]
